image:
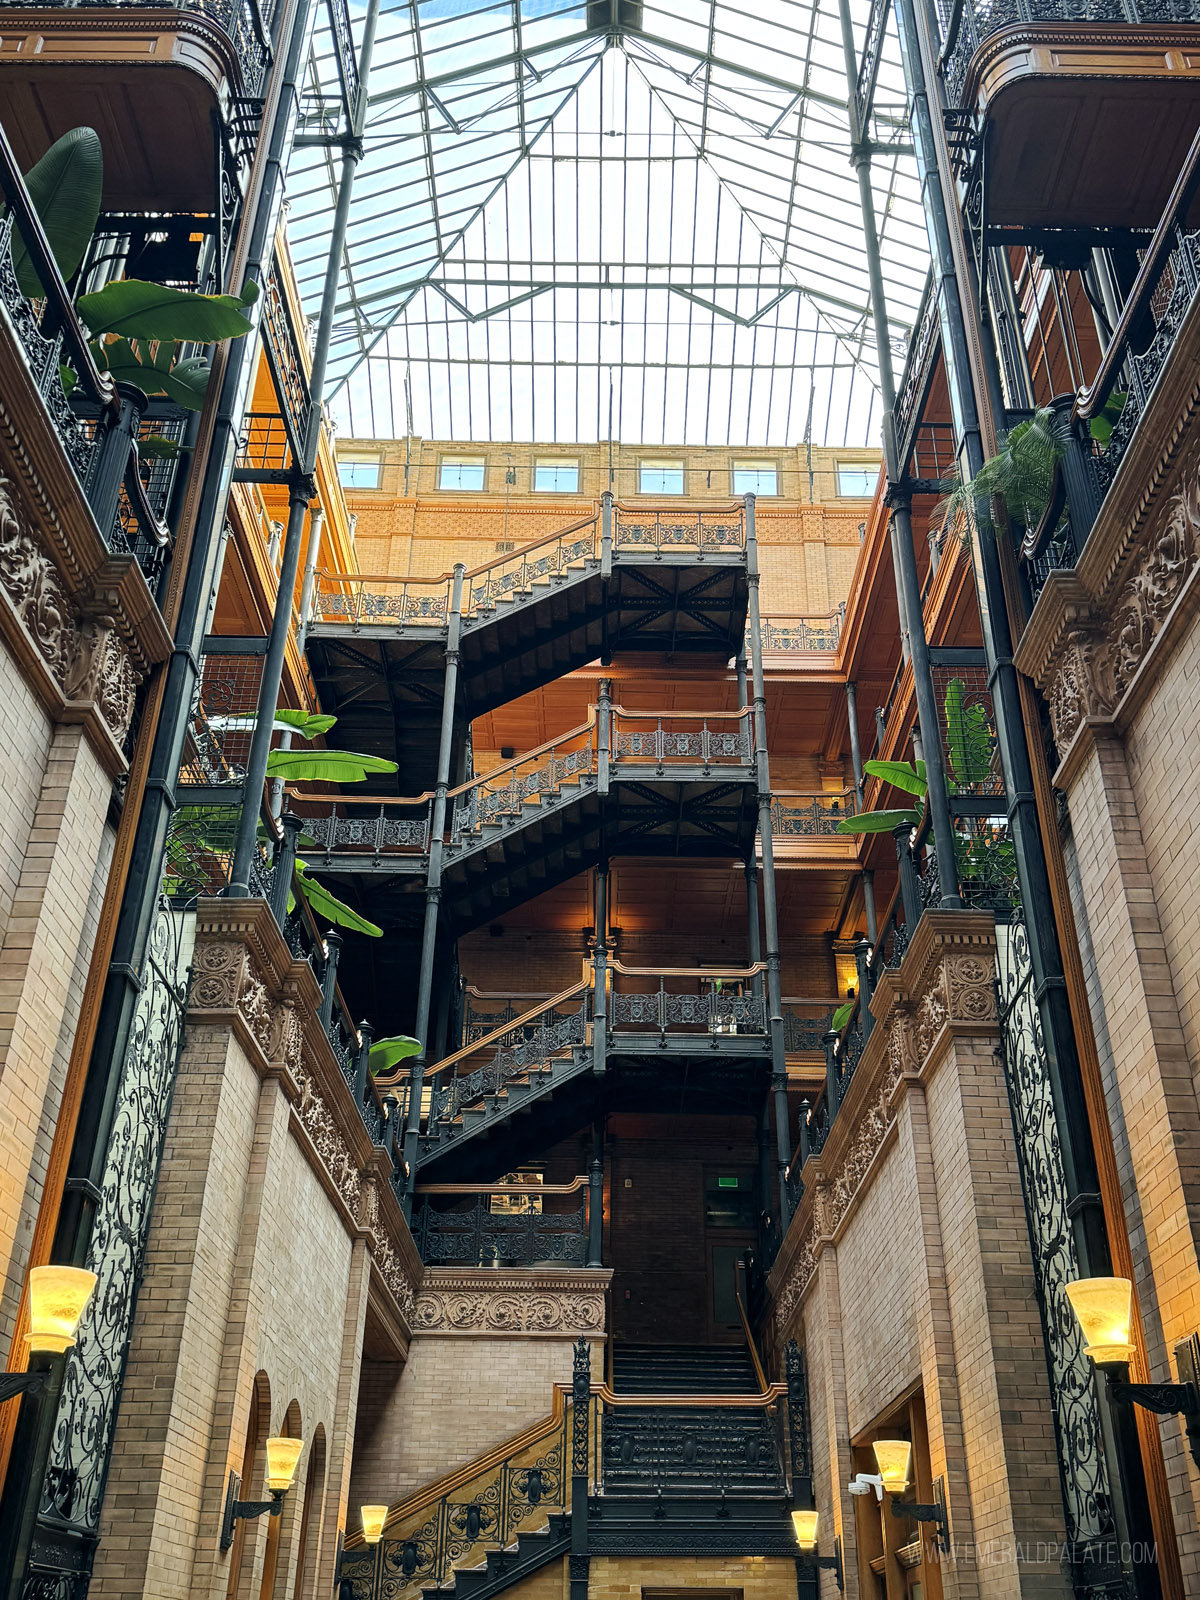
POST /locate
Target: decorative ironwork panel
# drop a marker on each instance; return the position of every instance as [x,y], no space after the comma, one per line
[927,331]
[491,798]
[702,744]
[481,1237]
[801,635]
[347,58]
[286,361]
[385,830]
[1085,1484]
[533,1051]
[698,530]
[799,817]
[799,1439]
[717,1010]
[701,1454]
[87,1411]
[804,1033]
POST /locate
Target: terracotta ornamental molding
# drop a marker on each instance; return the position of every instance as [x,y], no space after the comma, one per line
[1098,633]
[945,987]
[244,977]
[553,1302]
[79,619]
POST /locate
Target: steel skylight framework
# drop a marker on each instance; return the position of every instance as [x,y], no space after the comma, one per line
[617,218]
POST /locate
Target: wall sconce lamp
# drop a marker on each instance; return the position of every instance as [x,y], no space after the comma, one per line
[893,1457]
[282,1456]
[58,1297]
[1103,1308]
[805,1525]
[373,1519]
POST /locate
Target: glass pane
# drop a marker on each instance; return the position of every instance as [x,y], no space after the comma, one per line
[754,479]
[461,475]
[359,474]
[556,477]
[660,477]
[857,481]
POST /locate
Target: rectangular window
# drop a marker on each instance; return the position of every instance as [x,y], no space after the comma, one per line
[856,482]
[461,472]
[755,477]
[660,477]
[359,472]
[556,477]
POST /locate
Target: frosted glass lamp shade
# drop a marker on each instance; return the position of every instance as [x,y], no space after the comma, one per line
[282,1456]
[1104,1308]
[893,1457]
[57,1298]
[805,1524]
[373,1519]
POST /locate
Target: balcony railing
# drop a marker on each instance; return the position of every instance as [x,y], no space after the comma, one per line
[682,1000]
[967,24]
[505,1226]
[797,815]
[792,634]
[103,450]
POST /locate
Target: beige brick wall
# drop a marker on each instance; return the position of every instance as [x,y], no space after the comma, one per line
[758,1577]
[234,1286]
[455,1398]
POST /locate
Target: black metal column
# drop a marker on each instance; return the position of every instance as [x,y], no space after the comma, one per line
[868,877]
[600,973]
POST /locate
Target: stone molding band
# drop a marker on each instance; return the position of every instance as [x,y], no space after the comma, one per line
[546,1303]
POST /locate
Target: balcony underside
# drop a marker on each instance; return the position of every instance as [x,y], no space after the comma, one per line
[148,81]
[1089,124]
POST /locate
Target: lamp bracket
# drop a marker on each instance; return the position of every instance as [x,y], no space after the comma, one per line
[935,1513]
[245,1510]
[1167,1399]
[15,1383]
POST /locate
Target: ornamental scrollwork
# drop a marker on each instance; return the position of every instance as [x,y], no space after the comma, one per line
[217,969]
[35,591]
[971,987]
[510,1311]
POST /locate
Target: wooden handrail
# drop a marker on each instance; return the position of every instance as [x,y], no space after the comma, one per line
[536,544]
[753,1348]
[506,994]
[682,716]
[811,794]
[1096,394]
[728,1402]
[489,1038]
[528,755]
[688,972]
[504,1188]
[363,799]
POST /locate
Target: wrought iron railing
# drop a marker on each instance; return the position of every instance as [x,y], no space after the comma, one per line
[796,815]
[286,359]
[377,825]
[480,1017]
[805,1024]
[967,24]
[507,790]
[503,1226]
[918,368]
[242,20]
[103,451]
[408,599]
[263,443]
[704,738]
[511,1490]
[689,1001]
[794,634]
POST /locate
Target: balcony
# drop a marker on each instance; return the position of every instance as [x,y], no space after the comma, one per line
[1091,104]
[149,78]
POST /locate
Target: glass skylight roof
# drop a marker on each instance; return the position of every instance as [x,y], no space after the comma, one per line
[647,228]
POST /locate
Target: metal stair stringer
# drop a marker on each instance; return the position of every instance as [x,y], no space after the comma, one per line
[515,1095]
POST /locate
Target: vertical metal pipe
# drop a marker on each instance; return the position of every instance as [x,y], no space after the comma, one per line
[783,1151]
[600,970]
[302,488]
[596,1196]
[753,930]
[855,748]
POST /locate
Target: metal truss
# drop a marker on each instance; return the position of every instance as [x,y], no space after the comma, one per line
[614,218]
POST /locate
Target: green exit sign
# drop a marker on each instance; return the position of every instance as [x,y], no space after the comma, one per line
[727,1183]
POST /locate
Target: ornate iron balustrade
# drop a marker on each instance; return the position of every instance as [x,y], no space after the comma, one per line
[507,790]
[380,825]
[366,598]
[480,1020]
[513,575]
[721,1003]
[701,1453]
[804,1026]
[289,369]
[801,635]
[699,530]
[102,450]
[479,1236]
[917,370]
[712,739]
[427,1536]
[967,24]
[809,816]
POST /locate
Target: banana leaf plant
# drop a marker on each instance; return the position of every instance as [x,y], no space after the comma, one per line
[1021,473]
[137,328]
[388,1053]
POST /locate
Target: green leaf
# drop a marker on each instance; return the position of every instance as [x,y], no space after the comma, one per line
[65,187]
[308,724]
[324,766]
[968,736]
[842,1016]
[1105,420]
[157,447]
[879,821]
[327,905]
[139,310]
[901,774]
[186,383]
[387,1053]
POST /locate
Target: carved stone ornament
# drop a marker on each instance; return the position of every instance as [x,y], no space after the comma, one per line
[507,1309]
[402,1289]
[217,969]
[35,591]
[971,989]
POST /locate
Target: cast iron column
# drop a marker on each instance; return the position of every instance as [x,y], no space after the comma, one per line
[783,1153]
[868,877]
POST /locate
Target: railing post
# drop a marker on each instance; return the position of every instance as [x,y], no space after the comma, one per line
[596,1198]
[862,966]
[910,889]
[112,458]
[581,1400]
[805,1151]
[362,1065]
[1079,479]
[333,952]
[600,974]
[833,1086]
[799,1446]
[285,865]
[391,1133]
[606,533]
[604,721]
